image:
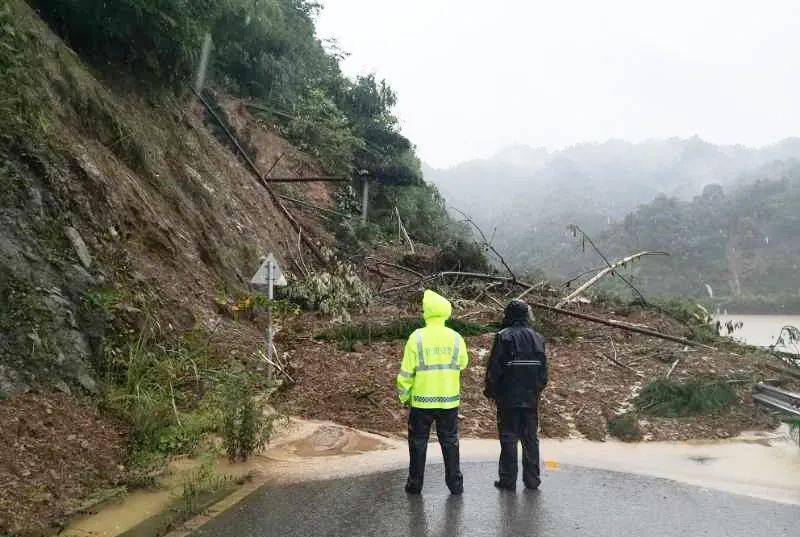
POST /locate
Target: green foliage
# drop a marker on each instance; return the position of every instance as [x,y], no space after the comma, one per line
[150,382]
[22,117]
[742,244]
[625,427]
[794,429]
[692,315]
[245,429]
[266,49]
[335,292]
[159,39]
[321,129]
[667,398]
[174,394]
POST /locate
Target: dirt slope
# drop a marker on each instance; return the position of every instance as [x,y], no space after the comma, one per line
[123,200]
[130,194]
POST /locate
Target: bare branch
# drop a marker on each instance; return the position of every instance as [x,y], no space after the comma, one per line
[486,242]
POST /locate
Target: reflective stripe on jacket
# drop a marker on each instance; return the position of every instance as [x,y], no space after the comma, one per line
[430,374]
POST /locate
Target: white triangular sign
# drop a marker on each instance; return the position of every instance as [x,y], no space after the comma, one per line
[262,276]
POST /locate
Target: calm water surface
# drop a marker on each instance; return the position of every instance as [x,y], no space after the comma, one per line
[759,330]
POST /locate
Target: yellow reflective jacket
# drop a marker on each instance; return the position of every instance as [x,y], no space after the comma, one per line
[430,375]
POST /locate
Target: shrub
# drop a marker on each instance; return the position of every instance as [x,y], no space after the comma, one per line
[691,314]
[667,398]
[156,38]
[198,486]
[794,428]
[245,427]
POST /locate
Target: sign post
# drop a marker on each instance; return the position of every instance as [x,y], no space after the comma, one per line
[269,275]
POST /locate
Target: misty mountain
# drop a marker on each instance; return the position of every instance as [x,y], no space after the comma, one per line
[527,196]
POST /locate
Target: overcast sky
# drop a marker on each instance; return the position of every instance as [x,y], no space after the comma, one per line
[474,76]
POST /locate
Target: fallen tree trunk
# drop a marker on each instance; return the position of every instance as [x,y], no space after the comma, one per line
[600,275]
[620,325]
[586,317]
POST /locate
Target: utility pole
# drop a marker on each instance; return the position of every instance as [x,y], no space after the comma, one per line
[364,200]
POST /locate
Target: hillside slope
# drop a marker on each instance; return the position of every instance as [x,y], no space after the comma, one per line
[126,196]
[126,222]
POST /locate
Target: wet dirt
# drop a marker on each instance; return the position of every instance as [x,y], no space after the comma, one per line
[763,465]
[595,374]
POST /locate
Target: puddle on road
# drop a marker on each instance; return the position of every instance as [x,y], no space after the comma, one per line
[331,441]
[762,465]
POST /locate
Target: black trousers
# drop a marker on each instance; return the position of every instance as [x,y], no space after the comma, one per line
[519,425]
[419,429]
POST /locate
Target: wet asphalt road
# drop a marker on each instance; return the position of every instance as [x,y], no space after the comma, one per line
[572,502]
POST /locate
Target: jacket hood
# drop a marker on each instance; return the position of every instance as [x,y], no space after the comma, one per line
[516,313]
[435,307]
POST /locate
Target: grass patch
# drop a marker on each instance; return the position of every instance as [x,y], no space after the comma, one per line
[666,398]
[625,427]
[174,392]
[199,487]
[350,335]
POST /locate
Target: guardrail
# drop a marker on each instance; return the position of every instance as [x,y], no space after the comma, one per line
[777,399]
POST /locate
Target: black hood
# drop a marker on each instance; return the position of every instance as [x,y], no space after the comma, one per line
[516,313]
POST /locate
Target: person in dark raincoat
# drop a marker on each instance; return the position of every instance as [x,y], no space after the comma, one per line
[515,377]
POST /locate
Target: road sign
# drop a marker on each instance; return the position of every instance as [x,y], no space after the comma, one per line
[262,277]
[269,275]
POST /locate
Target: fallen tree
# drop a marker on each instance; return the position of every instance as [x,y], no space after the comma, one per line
[611,268]
[555,309]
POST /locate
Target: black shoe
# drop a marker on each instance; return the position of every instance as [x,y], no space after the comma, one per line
[534,485]
[457,491]
[505,486]
[413,490]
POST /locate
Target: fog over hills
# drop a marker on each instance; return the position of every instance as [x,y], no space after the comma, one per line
[527,196]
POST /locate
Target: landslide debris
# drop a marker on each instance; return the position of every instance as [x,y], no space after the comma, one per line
[596,372]
[54,451]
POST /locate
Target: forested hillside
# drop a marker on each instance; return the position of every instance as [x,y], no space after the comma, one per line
[744,243]
[525,198]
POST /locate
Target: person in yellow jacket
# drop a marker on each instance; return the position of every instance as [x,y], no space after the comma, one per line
[429,382]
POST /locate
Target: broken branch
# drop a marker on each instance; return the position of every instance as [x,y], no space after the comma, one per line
[611,268]
[576,229]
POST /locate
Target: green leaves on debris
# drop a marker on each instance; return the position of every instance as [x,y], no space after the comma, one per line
[670,399]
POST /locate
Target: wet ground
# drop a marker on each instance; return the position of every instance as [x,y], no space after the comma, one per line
[758,466]
[573,502]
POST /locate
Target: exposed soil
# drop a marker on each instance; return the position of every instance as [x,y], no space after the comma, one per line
[586,386]
[54,450]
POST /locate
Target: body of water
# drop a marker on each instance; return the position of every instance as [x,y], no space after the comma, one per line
[759,330]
